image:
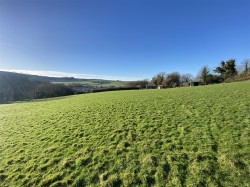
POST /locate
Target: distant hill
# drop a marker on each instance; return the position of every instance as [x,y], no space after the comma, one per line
[71,80]
[19,87]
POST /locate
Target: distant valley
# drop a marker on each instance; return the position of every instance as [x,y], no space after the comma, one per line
[71,80]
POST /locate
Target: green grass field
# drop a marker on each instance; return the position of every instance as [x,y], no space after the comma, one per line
[175,137]
[97,83]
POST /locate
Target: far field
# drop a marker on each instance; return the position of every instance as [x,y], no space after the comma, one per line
[175,137]
[96,83]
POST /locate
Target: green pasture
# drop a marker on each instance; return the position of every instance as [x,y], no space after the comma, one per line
[195,136]
[97,83]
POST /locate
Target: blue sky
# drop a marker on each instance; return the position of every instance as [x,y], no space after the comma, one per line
[121,39]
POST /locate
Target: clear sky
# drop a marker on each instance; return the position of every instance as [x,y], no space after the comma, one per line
[122,39]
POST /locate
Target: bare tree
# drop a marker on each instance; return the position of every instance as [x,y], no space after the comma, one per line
[245,68]
[172,80]
[138,84]
[186,77]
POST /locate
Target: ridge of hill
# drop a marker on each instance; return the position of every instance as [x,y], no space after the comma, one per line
[68,80]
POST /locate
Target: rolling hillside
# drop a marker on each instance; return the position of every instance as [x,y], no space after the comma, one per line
[174,137]
[71,80]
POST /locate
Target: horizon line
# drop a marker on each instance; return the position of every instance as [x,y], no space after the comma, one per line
[60,74]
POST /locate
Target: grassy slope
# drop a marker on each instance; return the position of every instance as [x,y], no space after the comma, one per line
[97,83]
[185,136]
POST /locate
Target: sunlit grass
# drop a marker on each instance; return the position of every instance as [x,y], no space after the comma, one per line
[176,137]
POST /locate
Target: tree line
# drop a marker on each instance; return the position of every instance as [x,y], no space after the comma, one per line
[227,71]
[19,87]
